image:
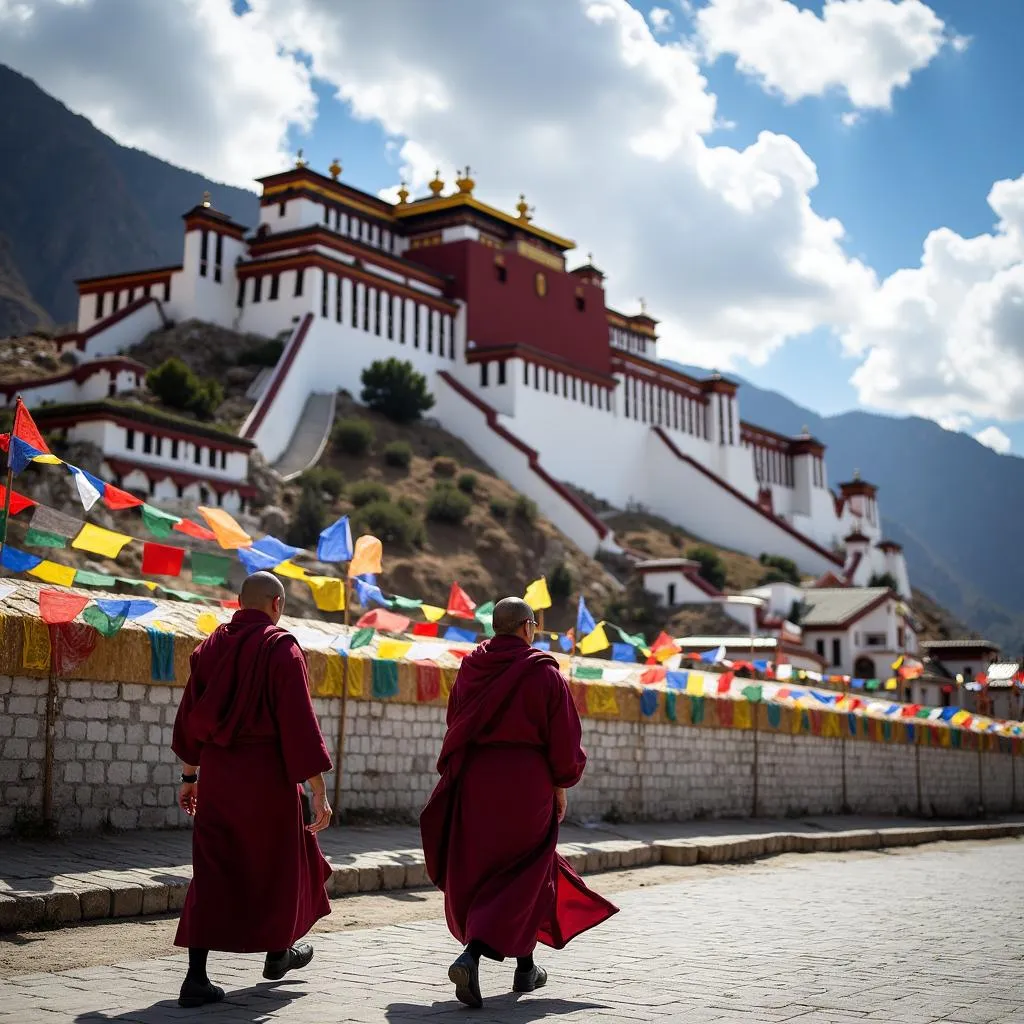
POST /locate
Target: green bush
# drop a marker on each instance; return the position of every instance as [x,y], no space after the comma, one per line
[445,468]
[500,509]
[393,387]
[325,479]
[446,504]
[467,483]
[885,579]
[398,454]
[308,521]
[780,570]
[407,505]
[175,385]
[265,353]
[560,582]
[207,399]
[367,491]
[389,522]
[712,568]
[352,436]
[525,509]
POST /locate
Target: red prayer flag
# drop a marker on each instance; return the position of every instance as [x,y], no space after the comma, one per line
[231,604]
[428,683]
[18,501]
[25,429]
[161,560]
[71,643]
[56,606]
[191,529]
[381,618]
[425,629]
[653,675]
[664,640]
[116,499]
[458,652]
[460,604]
[725,681]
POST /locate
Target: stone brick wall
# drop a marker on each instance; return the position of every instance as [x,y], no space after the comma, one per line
[113,764]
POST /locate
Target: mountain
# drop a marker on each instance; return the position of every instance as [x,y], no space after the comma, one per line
[74,203]
[950,501]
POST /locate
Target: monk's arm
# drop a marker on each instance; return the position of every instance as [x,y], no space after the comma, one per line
[183,743]
[302,743]
[566,756]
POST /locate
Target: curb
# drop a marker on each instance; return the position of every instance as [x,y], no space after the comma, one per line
[125,899]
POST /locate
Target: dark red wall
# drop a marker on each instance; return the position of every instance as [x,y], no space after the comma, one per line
[513,313]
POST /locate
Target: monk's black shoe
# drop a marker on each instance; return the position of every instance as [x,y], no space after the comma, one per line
[464,974]
[198,993]
[276,967]
[528,980]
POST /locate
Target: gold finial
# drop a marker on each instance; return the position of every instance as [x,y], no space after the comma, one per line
[856,474]
[299,162]
[805,431]
[590,259]
[206,199]
[643,306]
[465,183]
[334,169]
[523,208]
[403,194]
[437,185]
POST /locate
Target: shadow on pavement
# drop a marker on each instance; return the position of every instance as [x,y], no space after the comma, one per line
[244,1004]
[510,1009]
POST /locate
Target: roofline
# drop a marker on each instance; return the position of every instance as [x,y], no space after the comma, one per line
[856,616]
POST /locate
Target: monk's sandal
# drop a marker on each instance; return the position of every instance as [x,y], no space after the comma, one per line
[528,980]
[464,974]
[276,967]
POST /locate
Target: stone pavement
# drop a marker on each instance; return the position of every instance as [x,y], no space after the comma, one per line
[931,936]
[134,873]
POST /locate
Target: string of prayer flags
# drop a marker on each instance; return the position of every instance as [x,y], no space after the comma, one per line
[406,603]
[18,501]
[158,522]
[335,543]
[367,557]
[87,578]
[25,443]
[537,596]
[117,500]
[99,541]
[596,640]
[715,656]
[162,560]
[209,570]
[53,572]
[585,623]
[229,534]
[328,593]
[56,606]
[104,624]
[367,593]
[664,647]
[484,614]
[275,548]
[190,529]
[460,604]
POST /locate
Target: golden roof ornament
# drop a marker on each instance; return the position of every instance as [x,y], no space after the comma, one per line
[524,209]
[643,306]
[465,184]
[299,162]
[403,194]
[334,169]
[206,199]
[437,185]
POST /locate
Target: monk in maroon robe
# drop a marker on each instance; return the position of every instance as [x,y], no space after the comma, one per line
[247,723]
[490,828]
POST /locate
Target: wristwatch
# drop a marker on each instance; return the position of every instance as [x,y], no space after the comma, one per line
[189,778]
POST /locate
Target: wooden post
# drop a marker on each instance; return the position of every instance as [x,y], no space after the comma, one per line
[540,621]
[10,481]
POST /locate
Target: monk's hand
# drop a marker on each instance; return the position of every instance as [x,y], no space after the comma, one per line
[321,812]
[561,803]
[187,797]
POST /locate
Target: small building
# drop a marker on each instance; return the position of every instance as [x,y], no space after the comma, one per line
[87,382]
[773,649]
[999,696]
[676,581]
[967,658]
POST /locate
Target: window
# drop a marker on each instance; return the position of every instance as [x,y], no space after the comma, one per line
[819,646]
[536,376]
[526,373]
[375,235]
[147,444]
[241,292]
[901,637]
[181,491]
[502,372]
[574,389]
[401,320]
[275,286]
[327,214]
[112,387]
[280,208]
[204,246]
[213,459]
[129,439]
[366,309]
[483,374]
[343,223]
[392,299]
[257,288]
[671,594]
[430,329]
[167,290]
[337,299]
[547,380]
[218,257]
[159,446]
[416,325]
[581,305]
[356,292]
[197,457]
[500,273]
[376,313]
[837,651]
[99,305]
[300,275]
[324,285]
[174,449]
[148,290]
[223,460]
[116,304]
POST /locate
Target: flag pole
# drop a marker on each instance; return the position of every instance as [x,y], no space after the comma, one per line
[10,477]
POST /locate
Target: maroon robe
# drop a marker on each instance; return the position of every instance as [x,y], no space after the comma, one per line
[246,718]
[490,828]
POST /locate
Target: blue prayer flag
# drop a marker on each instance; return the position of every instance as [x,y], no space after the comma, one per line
[946,714]
[18,561]
[129,609]
[715,656]
[584,620]
[276,549]
[100,485]
[459,635]
[542,645]
[335,544]
[857,684]
[20,454]
[161,649]
[257,561]
[367,592]
[676,680]
[623,652]
[648,702]
[564,642]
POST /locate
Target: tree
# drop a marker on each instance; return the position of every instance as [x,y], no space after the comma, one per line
[393,387]
[308,520]
[560,582]
[780,570]
[712,568]
[884,579]
[174,383]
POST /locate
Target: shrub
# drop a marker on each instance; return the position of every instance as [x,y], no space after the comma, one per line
[366,491]
[500,509]
[266,353]
[448,505]
[780,570]
[445,468]
[467,483]
[885,579]
[352,436]
[324,479]
[398,454]
[712,568]
[560,582]
[525,509]
[407,505]
[388,521]
[207,399]
[308,520]
[393,387]
[177,386]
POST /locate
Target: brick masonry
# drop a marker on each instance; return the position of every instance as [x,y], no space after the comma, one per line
[113,764]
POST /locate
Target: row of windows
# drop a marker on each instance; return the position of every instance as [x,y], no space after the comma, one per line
[206,495]
[772,466]
[348,224]
[204,252]
[154,444]
[138,292]
[662,407]
[540,285]
[818,470]
[628,341]
[725,429]
[543,378]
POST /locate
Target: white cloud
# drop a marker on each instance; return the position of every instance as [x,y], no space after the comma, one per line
[661,19]
[850,118]
[956,422]
[865,48]
[947,338]
[994,438]
[185,80]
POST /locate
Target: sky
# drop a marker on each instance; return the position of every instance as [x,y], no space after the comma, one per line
[823,196]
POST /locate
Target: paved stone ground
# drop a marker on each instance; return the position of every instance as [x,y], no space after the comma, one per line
[930,936]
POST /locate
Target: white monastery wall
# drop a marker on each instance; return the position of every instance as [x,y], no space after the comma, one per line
[674,587]
[95,387]
[113,764]
[120,336]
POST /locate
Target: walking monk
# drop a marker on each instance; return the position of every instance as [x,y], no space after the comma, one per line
[490,827]
[247,723]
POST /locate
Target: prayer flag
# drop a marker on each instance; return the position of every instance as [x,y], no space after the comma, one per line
[87,492]
[190,529]
[209,570]
[161,646]
[381,618]
[677,680]
[695,684]
[459,635]
[892,684]
[601,700]
[460,604]
[432,613]
[664,647]
[361,638]
[255,561]
[393,649]
[484,614]
[596,640]
[50,521]
[117,500]
[51,572]
[589,672]
[406,603]
[584,620]
[328,593]
[26,443]
[754,693]
[565,642]
[207,623]
[725,682]
[134,610]
[182,595]
[370,592]
[715,656]
[290,570]
[537,596]
[275,548]
[104,624]
[56,606]
[648,702]
[335,543]
[368,556]
[229,534]
[623,652]
[542,645]
[18,501]
[425,629]
[161,560]
[99,541]
[158,522]
[85,578]
[38,539]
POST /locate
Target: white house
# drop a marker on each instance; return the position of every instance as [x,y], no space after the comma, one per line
[965,660]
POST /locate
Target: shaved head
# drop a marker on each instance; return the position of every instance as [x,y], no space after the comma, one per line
[263,592]
[509,615]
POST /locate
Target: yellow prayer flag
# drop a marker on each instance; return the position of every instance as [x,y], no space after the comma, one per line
[695,684]
[291,571]
[229,534]
[51,572]
[432,613]
[830,726]
[99,541]
[207,623]
[537,596]
[601,699]
[392,650]
[892,684]
[594,642]
[960,717]
[333,682]
[742,717]
[47,459]
[354,672]
[328,592]
[368,556]
[447,681]
[35,652]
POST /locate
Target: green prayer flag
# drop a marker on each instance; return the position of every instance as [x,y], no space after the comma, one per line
[104,624]
[43,539]
[634,639]
[85,578]
[484,614]
[774,715]
[182,595]
[361,638]
[385,679]
[589,672]
[210,570]
[158,522]
[696,710]
[670,705]
[872,684]
[408,603]
[753,694]
[923,713]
